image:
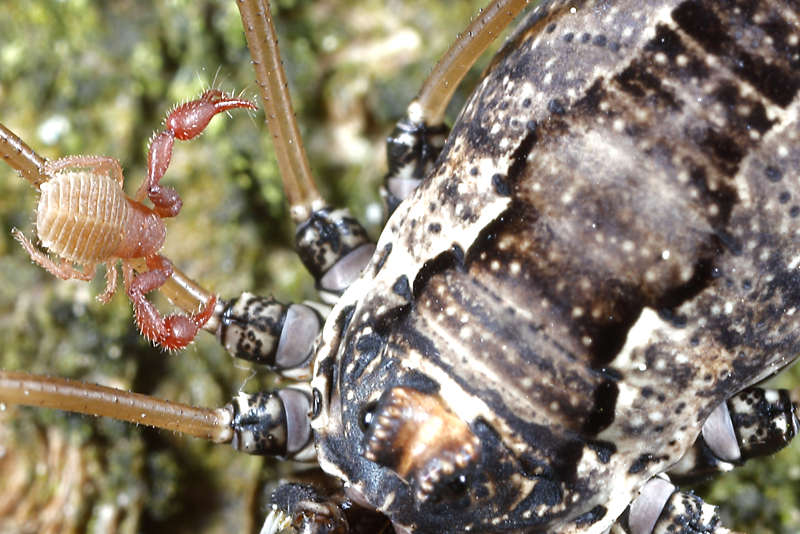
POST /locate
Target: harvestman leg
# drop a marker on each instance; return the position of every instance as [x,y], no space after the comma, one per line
[755,422]
[418,138]
[663,509]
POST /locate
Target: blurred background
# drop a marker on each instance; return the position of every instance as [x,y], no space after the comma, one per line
[84,77]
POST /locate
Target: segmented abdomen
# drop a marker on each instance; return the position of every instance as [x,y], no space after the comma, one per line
[81,216]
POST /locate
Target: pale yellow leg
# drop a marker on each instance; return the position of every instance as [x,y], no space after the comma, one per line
[111,282]
[100,163]
[63,270]
[127,275]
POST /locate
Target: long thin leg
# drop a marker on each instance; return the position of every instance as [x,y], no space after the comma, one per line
[272,423]
[298,182]
[16,153]
[100,163]
[331,243]
[434,95]
[90,399]
[63,270]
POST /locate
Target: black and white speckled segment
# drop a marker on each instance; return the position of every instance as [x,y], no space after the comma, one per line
[268,332]
[411,150]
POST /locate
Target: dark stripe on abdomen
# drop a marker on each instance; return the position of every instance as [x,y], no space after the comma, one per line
[775,79]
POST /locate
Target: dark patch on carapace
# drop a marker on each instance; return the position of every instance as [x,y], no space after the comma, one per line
[329,367]
[725,152]
[773,174]
[729,242]
[676,319]
[590,102]
[546,492]
[667,42]
[501,186]
[565,463]
[448,191]
[402,288]
[609,335]
[723,195]
[520,156]
[604,449]
[387,249]
[702,24]
[592,516]
[368,347]
[641,463]
[556,107]
[604,401]
[701,278]
[638,81]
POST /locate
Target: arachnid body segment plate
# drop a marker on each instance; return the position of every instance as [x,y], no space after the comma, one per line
[81,216]
[615,258]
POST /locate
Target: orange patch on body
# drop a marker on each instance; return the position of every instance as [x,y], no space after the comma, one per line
[417,436]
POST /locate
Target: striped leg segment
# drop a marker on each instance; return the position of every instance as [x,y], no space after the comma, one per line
[411,150]
[755,422]
[335,248]
[663,509]
[265,331]
[416,141]
[310,510]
